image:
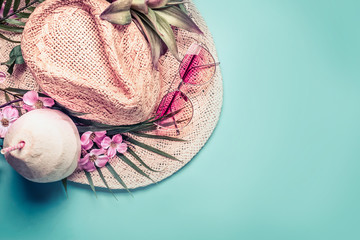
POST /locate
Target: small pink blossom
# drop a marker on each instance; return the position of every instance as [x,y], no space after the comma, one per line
[96,157]
[33,101]
[2,77]
[88,139]
[114,145]
[8,116]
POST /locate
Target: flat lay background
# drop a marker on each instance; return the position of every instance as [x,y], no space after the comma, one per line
[283,162]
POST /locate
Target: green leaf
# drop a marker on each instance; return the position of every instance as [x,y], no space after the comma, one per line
[21,92]
[8,39]
[149,148]
[7,7]
[15,22]
[140,160]
[64,183]
[153,38]
[117,177]
[27,2]
[112,129]
[133,166]
[118,12]
[17,90]
[10,64]
[157,3]
[91,183]
[140,5]
[7,97]
[104,181]
[31,9]
[67,111]
[182,7]
[175,2]
[145,135]
[163,30]
[11,29]
[176,17]
[23,15]
[17,55]
[167,35]
[16,5]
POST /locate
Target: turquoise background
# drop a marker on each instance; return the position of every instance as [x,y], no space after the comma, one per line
[283,162]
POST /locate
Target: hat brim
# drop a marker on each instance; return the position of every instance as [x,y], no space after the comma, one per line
[206,100]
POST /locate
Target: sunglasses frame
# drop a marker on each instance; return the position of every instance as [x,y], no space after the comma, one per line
[178,89]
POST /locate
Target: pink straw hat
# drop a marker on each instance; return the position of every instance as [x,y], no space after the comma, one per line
[92,66]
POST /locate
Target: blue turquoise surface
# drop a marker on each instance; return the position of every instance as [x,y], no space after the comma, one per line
[283,162]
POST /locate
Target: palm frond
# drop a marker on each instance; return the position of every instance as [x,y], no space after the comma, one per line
[90,181]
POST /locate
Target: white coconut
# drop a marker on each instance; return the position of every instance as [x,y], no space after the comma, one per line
[52,145]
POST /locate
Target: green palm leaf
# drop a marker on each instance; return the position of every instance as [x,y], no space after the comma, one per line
[145,135]
[8,5]
[15,22]
[118,12]
[133,166]
[16,5]
[163,29]
[91,183]
[104,181]
[149,148]
[140,5]
[8,39]
[176,17]
[23,15]
[117,177]
[64,183]
[154,40]
[11,29]
[130,151]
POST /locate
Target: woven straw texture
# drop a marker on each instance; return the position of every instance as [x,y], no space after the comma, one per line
[107,71]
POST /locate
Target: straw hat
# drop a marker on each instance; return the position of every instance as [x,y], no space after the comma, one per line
[92,66]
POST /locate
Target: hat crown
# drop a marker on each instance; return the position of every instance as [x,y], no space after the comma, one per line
[88,64]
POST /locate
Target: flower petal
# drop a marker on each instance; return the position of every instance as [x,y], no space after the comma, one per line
[99,137]
[10,113]
[117,138]
[89,166]
[86,143]
[2,77]
[3,131]
[87,146]
[111,152]
[85,137]
[30,98]
[100,134]
[105,143]
[97,152]
[121,148]
[84,160]
[28,107]
[48,102]
[101,161]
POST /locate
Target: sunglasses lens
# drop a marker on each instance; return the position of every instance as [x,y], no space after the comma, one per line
[198,65]
[175,111]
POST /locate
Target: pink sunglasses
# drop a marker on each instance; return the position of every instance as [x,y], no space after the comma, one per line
[197,68]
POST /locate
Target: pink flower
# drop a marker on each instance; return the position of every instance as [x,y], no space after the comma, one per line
[33,101]
[88,139]
[114,145]
[96,157]
[2,77]
[8,115]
